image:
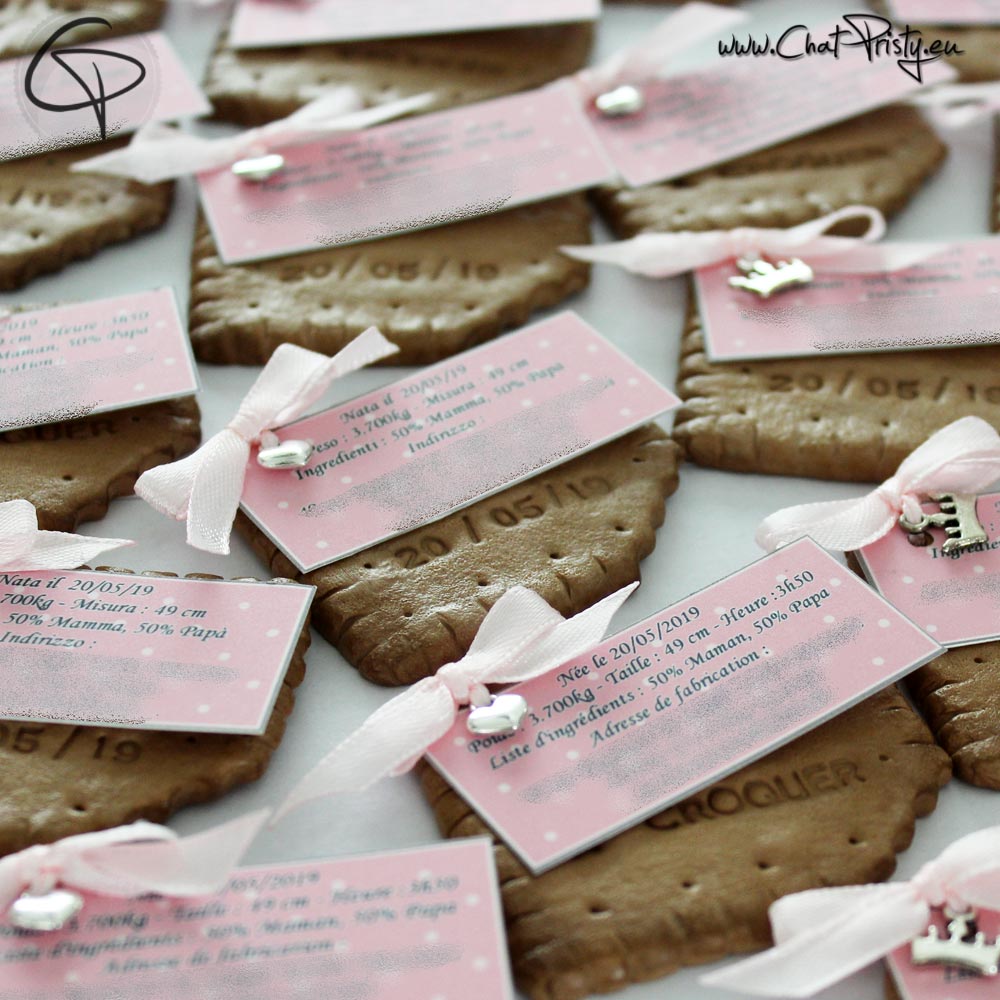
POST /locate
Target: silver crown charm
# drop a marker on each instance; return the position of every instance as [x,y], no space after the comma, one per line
[958,518]
[764,278]
[964,947]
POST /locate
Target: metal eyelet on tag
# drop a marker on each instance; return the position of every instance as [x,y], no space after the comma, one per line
[763,278]
[47,911]
[622,101]
[965,947]
[502,716]
[285,455]
[958,518]
[258,168]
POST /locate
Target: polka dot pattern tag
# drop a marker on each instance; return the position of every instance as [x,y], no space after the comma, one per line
[90,649]
[710,684]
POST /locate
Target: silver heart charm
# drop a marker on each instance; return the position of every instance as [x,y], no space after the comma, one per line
[285,455]
[258,168]
[49,911]
[624,100]
[501,716]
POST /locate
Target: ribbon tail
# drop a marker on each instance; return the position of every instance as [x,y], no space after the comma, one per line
[657,255]
[158,153]
[933,464]
[60,550]
[167,488]
[872,258]
[395,735]
[216,493]
[18,531]
[363,350]
[570,638]
[198,865]
[840,525]
[864,924]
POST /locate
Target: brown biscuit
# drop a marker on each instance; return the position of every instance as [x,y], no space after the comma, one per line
[980,58]
[254,86]
[959,696]
[980,44]
[852,418]
[693,883]
[574,534]
[126,17]
[56,781]
[71,471]
[877,159]
[49,217]
[432,293]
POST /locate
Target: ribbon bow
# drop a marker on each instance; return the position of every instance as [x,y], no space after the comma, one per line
[824,935]
[24,547]
[652,57]
[130,861]
[664,255]
[963,457]
[205,488]
[521,637]
[159,152]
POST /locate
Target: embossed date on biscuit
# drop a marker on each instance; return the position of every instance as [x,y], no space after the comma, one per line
[81,743]
[478,523]
[878,386]
[394,270]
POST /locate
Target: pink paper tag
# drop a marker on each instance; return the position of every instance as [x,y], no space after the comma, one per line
[944,982]
[680,700]
[948,300]
[262,23]
[418,449]
[141,652]
[89,357]
[410,174]
[953,12]
[418,924]
[954,596]
[737,105]
[162,91]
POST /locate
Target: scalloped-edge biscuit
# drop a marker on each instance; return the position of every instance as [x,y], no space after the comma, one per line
[433,293]
[255,86]
[57,781]
[693,883]
[50,217]
[852,418]
[401,609]
[72,470]
[878,159]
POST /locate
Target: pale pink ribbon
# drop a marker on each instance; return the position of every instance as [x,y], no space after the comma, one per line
[953,105]
[205,488]
[824,935]
[131,861]
[160,152]
[664,255]
[521,637]
[652,57]
[963,457]
[24,547]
